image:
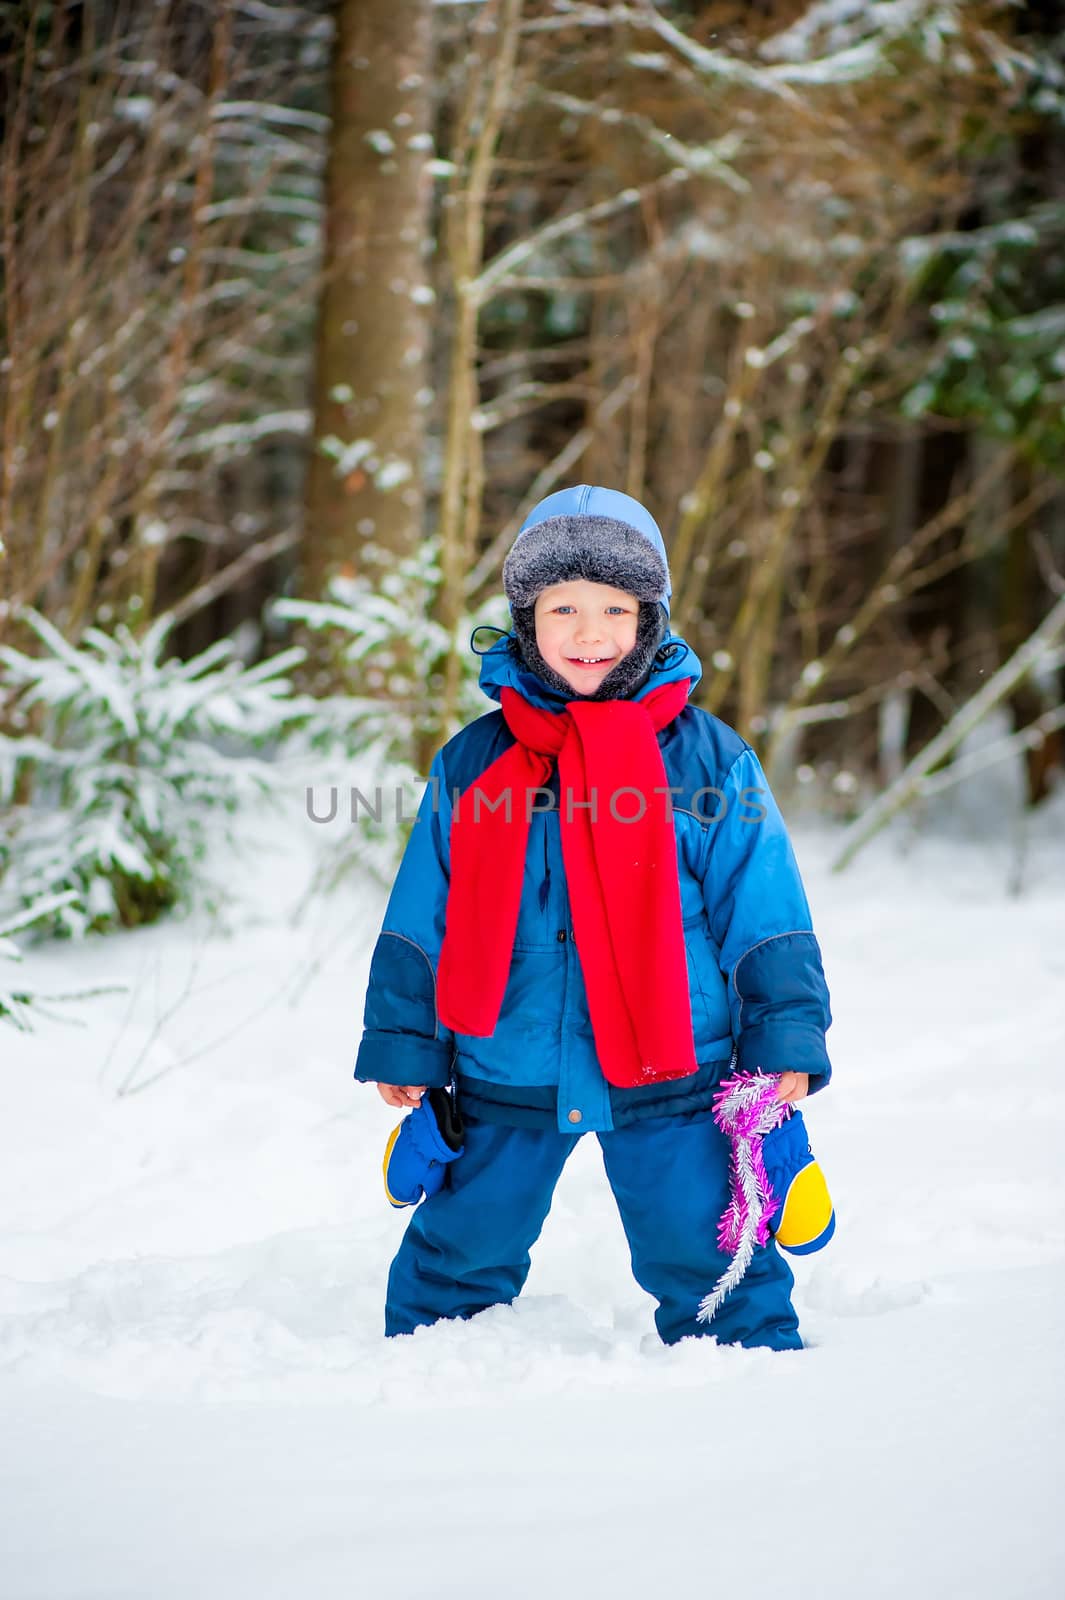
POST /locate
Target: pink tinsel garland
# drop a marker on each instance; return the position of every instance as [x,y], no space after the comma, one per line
[746,1108]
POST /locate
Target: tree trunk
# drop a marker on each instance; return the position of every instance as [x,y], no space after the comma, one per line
[364,496]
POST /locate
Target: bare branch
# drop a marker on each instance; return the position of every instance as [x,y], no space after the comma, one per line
[497,272]
[489,563]
[255,556]
[910,783]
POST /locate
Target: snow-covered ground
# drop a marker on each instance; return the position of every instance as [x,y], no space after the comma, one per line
[195,1396]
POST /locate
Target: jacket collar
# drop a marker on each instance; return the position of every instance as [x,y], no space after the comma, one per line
[501,668]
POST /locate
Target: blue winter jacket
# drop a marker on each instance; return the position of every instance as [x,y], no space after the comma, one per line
[758,992]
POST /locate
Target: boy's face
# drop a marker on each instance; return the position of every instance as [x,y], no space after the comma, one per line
[584,629]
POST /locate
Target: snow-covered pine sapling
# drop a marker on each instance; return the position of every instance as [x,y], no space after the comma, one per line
[131,759]
[20,1003]
[392,645]
[388,637]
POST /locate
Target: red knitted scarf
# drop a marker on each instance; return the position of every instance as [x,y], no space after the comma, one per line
[620,855]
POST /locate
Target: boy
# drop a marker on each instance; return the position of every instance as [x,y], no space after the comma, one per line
[609,921]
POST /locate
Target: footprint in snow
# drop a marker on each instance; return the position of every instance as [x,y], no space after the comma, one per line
[849,1292]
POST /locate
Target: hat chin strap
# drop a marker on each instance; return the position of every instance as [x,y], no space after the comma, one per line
[631,672]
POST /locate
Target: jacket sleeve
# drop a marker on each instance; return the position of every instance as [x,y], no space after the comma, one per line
[403,1040]
[760,921]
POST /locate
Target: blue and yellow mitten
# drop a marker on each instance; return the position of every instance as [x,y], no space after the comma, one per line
[805,1220]
[419,1150]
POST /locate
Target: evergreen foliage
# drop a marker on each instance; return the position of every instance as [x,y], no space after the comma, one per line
[19,1001]
[996,298]
[120,763]
[387,638]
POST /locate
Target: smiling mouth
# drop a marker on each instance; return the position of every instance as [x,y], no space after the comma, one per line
[588,661]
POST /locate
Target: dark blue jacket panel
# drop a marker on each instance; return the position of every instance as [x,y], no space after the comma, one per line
[403,1041]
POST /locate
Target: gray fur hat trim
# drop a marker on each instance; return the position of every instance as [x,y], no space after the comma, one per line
[598,549]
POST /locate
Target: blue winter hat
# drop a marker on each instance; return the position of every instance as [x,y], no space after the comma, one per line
[588,532]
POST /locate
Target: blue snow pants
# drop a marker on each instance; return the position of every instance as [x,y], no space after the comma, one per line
[467,1247]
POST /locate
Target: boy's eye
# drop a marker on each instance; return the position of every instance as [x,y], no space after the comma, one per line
[619,610]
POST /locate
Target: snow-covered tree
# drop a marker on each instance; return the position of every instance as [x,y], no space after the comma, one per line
[121,762]
[20,1001]
[386,638]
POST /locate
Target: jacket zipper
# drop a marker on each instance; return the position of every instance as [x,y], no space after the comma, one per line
[545,886]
